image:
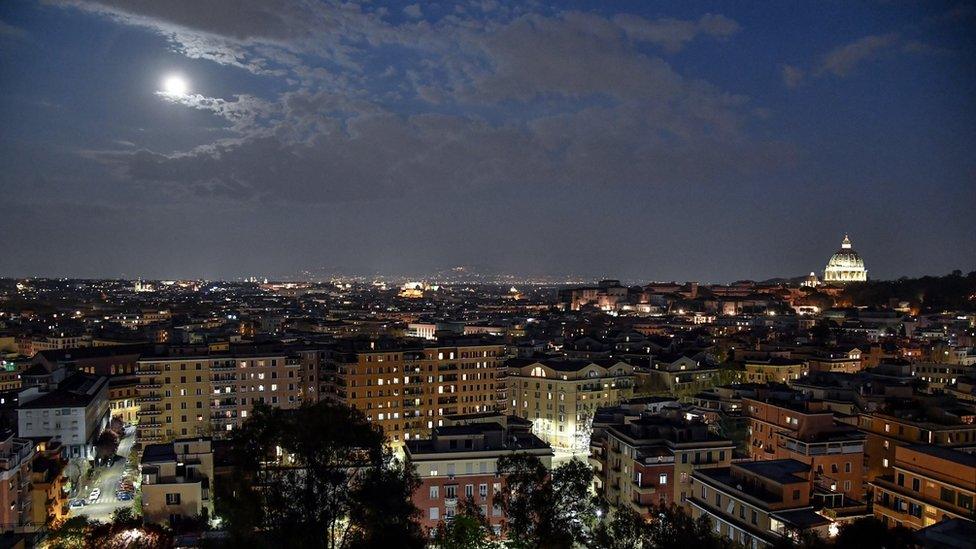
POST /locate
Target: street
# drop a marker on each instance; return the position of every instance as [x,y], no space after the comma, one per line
[106,478]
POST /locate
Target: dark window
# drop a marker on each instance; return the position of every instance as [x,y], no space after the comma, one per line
[796,494]
[684,458]
[901,479]
[755,517]
[965,501]
[916,484]
[947,495]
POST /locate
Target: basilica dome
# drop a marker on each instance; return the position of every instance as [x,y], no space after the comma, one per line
[845,265]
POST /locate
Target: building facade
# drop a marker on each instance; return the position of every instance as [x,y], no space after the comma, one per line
[650,460]
[806,431]
[560,397]
[16,502]
[758,504]
[929,484]
[460,462]
[211,395]
[845,265]
[409,389]
[74,412]
[176,480]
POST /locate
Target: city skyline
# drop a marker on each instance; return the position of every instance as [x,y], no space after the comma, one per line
[708,141]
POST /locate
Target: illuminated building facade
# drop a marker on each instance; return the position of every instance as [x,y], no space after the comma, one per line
[408,388]
[561,396]
[845,265]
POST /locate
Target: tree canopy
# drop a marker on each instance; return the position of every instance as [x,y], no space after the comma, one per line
[317,476]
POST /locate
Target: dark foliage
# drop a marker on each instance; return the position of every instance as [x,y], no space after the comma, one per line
[318,476]
[927,294]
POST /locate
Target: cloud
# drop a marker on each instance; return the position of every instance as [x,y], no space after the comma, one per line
[842,60]
[246,113]
[674,34]
[9,31]
[413,11]
[792,75]
[509,99]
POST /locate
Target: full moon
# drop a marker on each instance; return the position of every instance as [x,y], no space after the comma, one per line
[174,85]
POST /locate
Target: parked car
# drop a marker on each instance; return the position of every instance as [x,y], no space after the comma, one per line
[124,496]
[95,494]
[76,503]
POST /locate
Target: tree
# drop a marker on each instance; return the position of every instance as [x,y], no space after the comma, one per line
[871,532]
[73,472]
[106,445]
[124,532]
[546,510]
[470,529]
[624,529]
[70,534]
[671,527]
[316,476]
[117,426]
[382,513]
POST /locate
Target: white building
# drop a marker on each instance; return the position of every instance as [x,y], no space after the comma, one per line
[75,413]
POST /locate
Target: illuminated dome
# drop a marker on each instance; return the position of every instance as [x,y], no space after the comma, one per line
[845,265]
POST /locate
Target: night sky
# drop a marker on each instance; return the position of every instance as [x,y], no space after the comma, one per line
[706,141]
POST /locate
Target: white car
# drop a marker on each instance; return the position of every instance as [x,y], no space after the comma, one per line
[95,494]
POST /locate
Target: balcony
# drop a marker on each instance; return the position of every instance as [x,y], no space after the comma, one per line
[149,398]
[647,489]
[148,412]
[642,504]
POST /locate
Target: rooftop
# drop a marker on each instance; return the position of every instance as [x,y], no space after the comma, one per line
[947,454]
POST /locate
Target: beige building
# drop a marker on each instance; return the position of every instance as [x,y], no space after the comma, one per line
[180,396]
[410,388]
[929,484]
[16,455]
[774,370]
[561,396]
[48,486]
[176,480]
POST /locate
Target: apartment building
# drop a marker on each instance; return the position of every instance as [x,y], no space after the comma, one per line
[460,462]
[758,503]
[29,346]
[913,423]
[409,388]
[48,486]
[805,430]
[929,484]
[74,411]
[938,375]
[176,480]
[649,460]
[122,394]
[848,362]
[679,374]
[774,370]
[16,456]
[561,396]
[211,394]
